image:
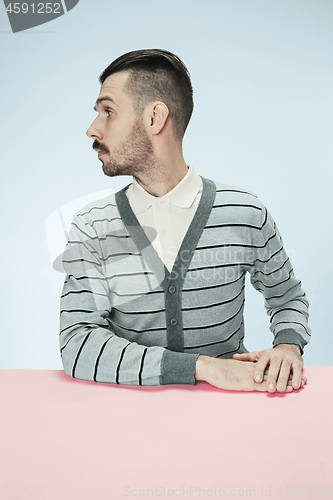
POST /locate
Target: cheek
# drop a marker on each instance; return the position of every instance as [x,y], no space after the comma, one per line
[110,136]
[117,132]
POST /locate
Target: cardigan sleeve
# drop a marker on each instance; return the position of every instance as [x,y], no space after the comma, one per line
[272,274]
[90,350]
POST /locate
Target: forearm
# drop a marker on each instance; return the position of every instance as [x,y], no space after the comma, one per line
[98,354]
[90,350]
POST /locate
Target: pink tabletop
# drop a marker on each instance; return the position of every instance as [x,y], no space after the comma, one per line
[64,438]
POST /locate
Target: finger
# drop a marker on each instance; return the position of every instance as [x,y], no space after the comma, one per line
[297,375]
[289,383]
[284,375]
[304,379]
[273,374]
[247,356]
[258,373]
[262,387]
[266,371]
[290,379]
[289,388]
[290,376]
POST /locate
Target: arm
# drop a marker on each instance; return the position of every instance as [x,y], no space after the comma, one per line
[90,350]
[286,304]
[272,275]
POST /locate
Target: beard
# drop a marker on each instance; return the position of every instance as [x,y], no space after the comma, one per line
[133,156]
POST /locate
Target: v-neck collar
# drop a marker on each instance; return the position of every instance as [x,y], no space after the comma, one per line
[189,242]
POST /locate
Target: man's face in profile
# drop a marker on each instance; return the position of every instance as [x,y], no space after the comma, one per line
[120,138]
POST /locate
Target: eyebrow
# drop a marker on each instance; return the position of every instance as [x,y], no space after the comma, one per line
[101,99]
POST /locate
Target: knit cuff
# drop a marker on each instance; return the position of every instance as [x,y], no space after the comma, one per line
[289,336]
[178,368]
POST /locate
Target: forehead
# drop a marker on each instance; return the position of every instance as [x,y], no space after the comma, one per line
[112,90]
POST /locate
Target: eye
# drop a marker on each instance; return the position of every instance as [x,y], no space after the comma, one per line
[109,111]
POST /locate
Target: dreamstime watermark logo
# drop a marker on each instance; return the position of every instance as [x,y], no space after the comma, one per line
[25,15]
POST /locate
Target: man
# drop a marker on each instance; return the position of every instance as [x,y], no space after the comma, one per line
[154,292]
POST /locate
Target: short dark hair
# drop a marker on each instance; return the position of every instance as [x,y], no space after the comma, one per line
[157,74]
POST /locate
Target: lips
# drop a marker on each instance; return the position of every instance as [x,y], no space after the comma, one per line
[99,152]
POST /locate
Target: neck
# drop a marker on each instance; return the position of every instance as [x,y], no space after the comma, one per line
[166,174]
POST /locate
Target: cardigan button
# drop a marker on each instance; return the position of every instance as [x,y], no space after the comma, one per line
[172,289]
[174,321]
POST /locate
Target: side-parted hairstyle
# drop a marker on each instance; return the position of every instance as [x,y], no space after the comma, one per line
[157,75]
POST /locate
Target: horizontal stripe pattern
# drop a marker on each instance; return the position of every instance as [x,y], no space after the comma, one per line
[113,319]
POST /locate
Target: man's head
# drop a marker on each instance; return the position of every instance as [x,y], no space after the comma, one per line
[156,75]
[139,89]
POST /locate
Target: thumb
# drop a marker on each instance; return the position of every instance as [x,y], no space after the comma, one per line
[247,356]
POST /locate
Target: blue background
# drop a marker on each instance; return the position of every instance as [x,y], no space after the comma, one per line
[262,77]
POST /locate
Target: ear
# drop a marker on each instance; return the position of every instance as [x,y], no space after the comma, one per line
[157,114]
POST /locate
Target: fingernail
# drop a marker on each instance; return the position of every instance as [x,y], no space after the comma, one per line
[258,378]
[296,383]
[271,386]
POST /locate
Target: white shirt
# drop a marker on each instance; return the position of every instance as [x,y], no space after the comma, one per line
[170,215]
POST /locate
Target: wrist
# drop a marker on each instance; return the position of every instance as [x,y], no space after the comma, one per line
[294,347]
[203,367]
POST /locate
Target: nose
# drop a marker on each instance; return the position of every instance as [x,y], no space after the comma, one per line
[94,131]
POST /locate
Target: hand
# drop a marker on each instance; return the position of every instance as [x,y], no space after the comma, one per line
[289,383]
[229,374]
[284,363]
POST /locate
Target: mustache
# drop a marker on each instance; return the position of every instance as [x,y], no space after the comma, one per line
[98,145]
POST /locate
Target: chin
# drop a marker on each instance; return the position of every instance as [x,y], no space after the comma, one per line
[112,174]
[113,171]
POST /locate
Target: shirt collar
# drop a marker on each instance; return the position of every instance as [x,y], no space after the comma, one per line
[182,195]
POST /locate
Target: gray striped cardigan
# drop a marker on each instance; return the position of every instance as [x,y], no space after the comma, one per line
[126,319]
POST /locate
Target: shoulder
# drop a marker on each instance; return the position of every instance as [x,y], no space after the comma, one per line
[239,204]
[99,217]
[99,209]
[234,193]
